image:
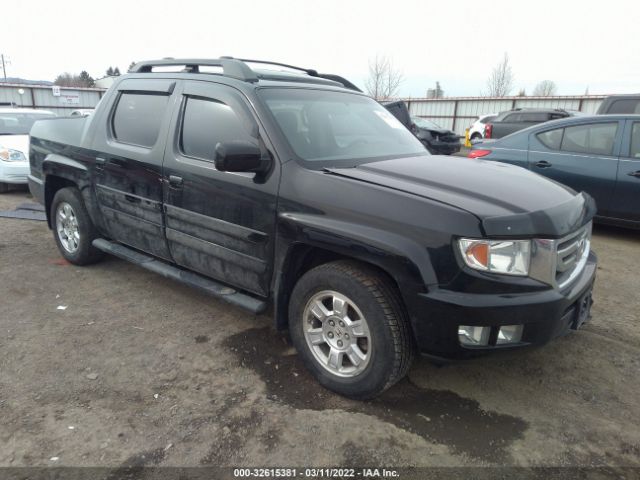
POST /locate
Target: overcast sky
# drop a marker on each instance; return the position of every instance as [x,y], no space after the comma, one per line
[577,44]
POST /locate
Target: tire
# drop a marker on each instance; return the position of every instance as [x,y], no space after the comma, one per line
[77,249]
[382,343]
[475,136]
[4,188]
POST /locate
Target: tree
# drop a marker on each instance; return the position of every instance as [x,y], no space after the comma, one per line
[384,80]
[116,72]
[110,72]
[86,79]
[67,79]
[500,82]
[131,66]
[546,88]
[522,92]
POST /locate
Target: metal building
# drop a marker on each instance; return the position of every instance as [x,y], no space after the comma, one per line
[458,113]
[60,100]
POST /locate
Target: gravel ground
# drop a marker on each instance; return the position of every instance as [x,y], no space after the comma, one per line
[139,370]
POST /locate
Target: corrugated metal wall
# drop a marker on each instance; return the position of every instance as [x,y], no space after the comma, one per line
[42,97]
[458,113]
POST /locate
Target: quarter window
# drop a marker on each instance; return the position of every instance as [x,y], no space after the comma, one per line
[138,117]
[207,122]
[551,138]
[635,141]
[597,139]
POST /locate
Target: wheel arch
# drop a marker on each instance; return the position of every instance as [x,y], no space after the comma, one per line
[63,172]
[314,248]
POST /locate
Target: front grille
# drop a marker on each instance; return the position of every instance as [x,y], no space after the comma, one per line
[571,255]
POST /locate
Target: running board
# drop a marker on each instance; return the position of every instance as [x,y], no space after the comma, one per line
[207,285]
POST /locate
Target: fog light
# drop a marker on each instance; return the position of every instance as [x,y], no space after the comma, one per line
[473,336]
[509,334]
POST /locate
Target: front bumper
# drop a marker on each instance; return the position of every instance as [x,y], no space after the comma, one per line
[545,315]
[14,172]
[445,148]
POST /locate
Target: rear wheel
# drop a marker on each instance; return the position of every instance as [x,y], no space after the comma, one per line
[349,326]
[73,229]
[475,137]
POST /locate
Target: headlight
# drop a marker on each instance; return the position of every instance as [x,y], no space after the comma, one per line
[510,257]
[10,155]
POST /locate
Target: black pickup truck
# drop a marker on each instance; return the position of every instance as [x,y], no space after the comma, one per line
[291,191]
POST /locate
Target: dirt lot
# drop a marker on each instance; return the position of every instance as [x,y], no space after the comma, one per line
[141,370]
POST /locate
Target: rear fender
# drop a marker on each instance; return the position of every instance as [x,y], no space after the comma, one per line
[59,172]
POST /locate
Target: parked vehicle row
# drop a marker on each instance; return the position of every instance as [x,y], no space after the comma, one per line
[597,154]
[296,193]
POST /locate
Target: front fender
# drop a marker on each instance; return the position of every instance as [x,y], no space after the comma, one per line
[404,259]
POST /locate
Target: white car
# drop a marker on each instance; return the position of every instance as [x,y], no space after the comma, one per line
[15,124]
[476,131]
[83,112]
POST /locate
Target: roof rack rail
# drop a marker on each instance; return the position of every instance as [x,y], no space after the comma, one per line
[232,67]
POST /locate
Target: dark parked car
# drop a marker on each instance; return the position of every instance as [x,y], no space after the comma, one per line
[436,140]
[620,104]
[290,192]
[596,154]
[513,120]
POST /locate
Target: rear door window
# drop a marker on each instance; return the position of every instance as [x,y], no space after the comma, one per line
[138,117]
[596,139]
[534,117]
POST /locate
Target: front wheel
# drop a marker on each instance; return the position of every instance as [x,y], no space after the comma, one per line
[348,324]
[72,227]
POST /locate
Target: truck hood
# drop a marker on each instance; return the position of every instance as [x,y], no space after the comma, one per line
[16,142]
[508,200]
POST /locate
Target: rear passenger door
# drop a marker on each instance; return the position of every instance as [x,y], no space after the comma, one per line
[220,224]
[626,199]
[583,157]
[128,163]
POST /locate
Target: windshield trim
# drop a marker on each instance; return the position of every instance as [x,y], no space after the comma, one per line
[323,164]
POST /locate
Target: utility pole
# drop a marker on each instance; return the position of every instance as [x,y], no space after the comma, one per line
[4,68]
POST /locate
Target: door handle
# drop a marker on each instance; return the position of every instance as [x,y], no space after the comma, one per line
[175,181]
[132,199]
[634,174]
[100,161]
[543,164]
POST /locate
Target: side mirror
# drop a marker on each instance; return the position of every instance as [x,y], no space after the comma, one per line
[239,156]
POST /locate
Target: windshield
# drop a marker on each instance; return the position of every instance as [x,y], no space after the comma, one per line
[338,128]
[20,123]
[424,123]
